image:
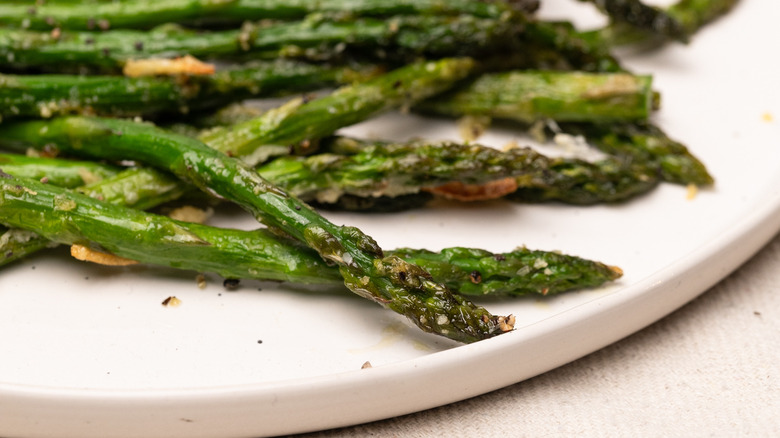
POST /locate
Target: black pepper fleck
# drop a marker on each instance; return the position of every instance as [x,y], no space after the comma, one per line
[259,341]
[499,257]
[231,283]
[139,45]
[402,275]
[90,23]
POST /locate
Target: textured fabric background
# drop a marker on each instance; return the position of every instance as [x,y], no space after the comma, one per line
[710,369]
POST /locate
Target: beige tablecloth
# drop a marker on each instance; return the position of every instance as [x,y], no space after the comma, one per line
[710,369]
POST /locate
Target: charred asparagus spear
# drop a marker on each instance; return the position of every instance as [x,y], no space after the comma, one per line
[400,39]
[393,169]
[562,96]
[641,16]
[474,271]
[260,254]
[144,14]
[691,14]
[48,95]
[390,281]
[646,143]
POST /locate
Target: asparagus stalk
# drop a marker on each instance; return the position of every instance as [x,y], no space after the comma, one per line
[691,14]
[69,174]
[393,169]
[301,122]
[568,180]
[380,176]
[560,46]
[48,95]
[144,14]
[390,281]
[401,38]
[260,254]
[579,182]
[641,16]
[646,143]
[563,96]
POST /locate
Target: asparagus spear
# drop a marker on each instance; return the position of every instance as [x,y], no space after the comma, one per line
[300,122]
[400,286]
[646,143]
[579,182]
[144,14]
[47,95]
[393,169]
[691,14]
[263,255]
[639,15]
[563,96]
[59,172]
[560,46]
[318,37]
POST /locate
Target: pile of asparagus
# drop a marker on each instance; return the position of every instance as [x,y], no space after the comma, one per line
[151,92]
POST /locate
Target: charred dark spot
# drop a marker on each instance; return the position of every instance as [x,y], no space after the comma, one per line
[89,41]
[397,84]
[297,207]
[259,341]
[166,301]
[106,51]
[9,254]
[402,275]
[231,283]
[499,257]
[475,277]
[139,45]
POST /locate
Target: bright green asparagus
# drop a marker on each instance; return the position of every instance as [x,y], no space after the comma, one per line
[50,95]
[528,96]
[301,122]
[69,174]
[260,254]
[390,281]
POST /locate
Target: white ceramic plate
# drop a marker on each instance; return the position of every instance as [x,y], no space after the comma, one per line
[87,351]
